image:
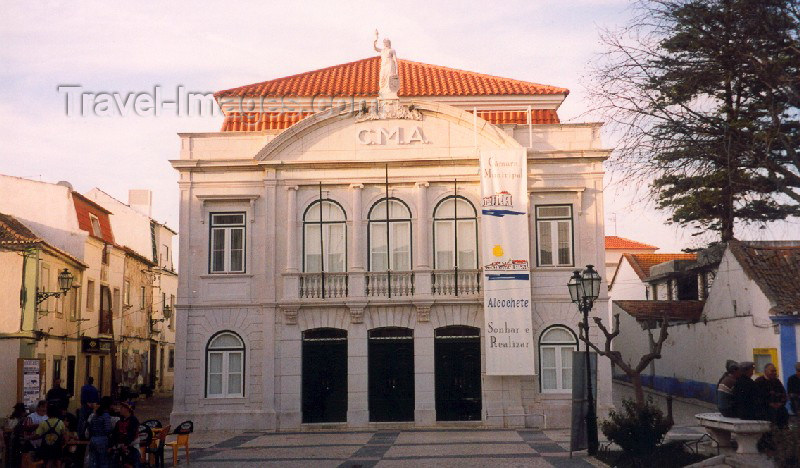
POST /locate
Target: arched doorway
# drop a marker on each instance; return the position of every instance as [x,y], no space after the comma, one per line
[457,351]
[324,375]
[391,374]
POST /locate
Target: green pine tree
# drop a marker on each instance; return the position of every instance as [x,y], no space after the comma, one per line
[707,93]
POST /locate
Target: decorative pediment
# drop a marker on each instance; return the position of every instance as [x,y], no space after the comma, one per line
[383,110]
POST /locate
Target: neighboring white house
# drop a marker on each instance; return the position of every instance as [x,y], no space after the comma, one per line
[135,228]
[746,306]
[265,340]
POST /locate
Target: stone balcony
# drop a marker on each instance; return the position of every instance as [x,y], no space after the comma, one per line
[467,283]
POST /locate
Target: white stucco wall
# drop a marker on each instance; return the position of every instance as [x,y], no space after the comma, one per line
[46,209]
[263,307]
[736,320]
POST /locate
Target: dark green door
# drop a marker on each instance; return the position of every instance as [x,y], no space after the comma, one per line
[457,364]
[391,374]
[324,375]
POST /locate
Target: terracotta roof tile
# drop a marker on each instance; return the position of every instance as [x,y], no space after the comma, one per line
[615,242]
[14,233]
[673,310]
[775,269]
[360,78]
[263,121]
[641,263]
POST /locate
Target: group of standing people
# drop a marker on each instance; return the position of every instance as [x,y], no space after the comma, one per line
[765,398]
[111,430]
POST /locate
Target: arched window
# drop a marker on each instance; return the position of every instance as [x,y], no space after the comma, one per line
[398,227]
[324,237]
[225,354]
[455,228]
[555,359]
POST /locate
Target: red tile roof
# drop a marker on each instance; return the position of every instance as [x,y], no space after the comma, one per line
[621,243]
[14,233]
[673,310]
[360,78]
[261,121]
[775,269]
[641,263]
[83,208]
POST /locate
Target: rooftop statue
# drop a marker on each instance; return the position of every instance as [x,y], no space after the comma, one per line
[389,77]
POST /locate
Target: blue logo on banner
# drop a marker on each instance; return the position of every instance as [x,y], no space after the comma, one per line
[501,213]
[508,276]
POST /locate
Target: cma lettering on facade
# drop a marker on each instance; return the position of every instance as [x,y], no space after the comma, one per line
[391,136]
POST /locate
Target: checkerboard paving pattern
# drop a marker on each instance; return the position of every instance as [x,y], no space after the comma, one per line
[387,448]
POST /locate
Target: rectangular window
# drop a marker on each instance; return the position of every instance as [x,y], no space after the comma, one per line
[142,297]
[71,375]
[106,311]
[225,374]
[56,368]
[90,295]
[171,361]
[554,235]
[334,247]
[126,293]
[95,226]
[227,243]
[116,302]
[104,257]
[74,303]
[556,365]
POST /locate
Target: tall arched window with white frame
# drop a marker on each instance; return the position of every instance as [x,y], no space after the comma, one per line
[225,360]
[455,234]
[389,236]
[556,345]
[324,237]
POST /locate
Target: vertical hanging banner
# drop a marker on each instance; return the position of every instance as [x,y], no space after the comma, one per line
[506,265]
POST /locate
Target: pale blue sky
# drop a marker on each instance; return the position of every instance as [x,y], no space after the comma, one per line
[207,46]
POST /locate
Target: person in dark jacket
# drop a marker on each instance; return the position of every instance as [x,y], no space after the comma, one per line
[725,400]
[746,397]
[125,436]
[58,395]
[773,396]
[793,388]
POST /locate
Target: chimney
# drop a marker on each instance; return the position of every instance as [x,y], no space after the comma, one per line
[141,201]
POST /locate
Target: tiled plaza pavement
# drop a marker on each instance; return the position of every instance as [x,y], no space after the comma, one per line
[384,448]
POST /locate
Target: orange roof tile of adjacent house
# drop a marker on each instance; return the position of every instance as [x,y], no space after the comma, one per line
[360,78]
[672,310]
[14,233]
[775,269]
[641,263]
[621,243]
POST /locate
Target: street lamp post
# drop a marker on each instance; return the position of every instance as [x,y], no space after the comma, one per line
[584,288]
[64,283]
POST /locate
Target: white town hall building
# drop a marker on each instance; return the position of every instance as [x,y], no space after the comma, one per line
[305,299]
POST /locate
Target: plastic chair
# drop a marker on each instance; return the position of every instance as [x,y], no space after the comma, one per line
[145,439]
[153,423]
[156,449]
[182,431]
